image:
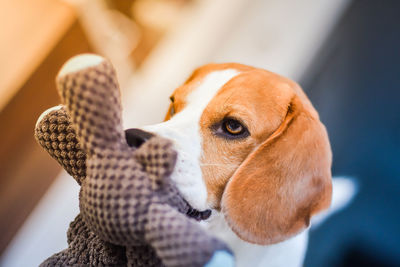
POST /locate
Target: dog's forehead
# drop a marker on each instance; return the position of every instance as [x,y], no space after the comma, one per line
[253,78]
[199,75]
[247,87]
[262,91]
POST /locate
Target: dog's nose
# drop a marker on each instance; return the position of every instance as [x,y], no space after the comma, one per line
[136,137]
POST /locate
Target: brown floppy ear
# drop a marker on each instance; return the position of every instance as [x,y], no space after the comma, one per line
[273,194]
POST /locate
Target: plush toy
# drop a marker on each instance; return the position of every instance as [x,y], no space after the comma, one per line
[131,214]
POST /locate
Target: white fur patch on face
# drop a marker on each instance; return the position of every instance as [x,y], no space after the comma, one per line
[184,130]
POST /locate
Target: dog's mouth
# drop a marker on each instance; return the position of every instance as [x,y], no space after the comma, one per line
[198,215]
[137,137]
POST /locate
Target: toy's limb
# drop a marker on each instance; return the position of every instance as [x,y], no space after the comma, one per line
[158,160]
[54,132]
[142,256]
[179,241]
[88,87]
[86,249]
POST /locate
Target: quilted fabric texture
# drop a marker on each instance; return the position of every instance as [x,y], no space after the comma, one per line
[87,249]
[56,135]
[129,206]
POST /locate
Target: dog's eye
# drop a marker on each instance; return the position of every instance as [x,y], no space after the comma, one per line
[231,129]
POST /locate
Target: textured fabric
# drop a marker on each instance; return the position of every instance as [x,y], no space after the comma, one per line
[126,198]
[86,249]
[56,135]
[178,241]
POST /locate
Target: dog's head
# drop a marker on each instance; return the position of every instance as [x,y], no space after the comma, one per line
[251,146]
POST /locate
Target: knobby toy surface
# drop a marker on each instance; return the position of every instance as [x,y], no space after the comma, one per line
[131,213]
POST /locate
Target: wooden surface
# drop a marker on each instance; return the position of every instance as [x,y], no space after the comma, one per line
[29,30]
[37,46]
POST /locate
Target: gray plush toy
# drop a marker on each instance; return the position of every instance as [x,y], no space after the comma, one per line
[131,214]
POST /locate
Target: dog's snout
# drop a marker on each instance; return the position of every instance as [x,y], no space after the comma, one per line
[136,137]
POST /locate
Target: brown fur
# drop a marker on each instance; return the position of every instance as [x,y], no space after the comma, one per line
[271,183]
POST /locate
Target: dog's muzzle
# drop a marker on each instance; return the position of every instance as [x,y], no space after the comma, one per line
[135,138]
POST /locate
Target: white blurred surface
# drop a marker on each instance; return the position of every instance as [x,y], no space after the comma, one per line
[280,35]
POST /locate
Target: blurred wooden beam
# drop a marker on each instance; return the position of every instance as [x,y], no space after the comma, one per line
[29,30]
[43,34]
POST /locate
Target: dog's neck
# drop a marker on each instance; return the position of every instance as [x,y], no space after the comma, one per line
[288,253]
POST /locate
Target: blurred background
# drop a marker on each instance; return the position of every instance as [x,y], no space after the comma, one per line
[344,53]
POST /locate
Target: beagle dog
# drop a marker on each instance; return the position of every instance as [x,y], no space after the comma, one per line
[251,149]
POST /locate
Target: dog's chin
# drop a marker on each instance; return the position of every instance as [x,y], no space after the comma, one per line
[190,184]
